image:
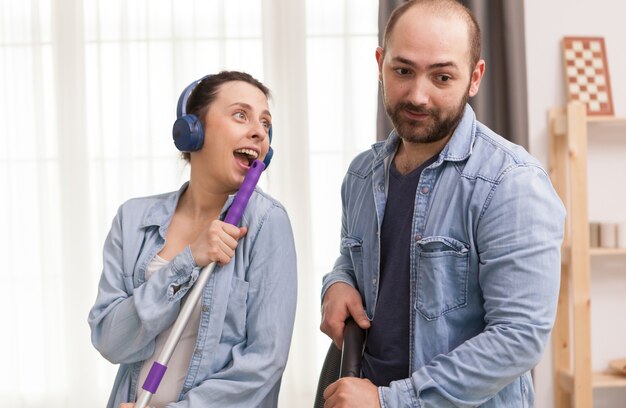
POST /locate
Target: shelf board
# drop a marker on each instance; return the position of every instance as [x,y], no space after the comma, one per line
[606,120]
[605,379]
[607,251]
[599,379]
[565,253]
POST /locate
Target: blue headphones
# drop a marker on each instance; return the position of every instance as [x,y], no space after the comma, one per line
[187,130]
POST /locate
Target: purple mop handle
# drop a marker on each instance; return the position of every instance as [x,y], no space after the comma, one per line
[245,192]
[157,371]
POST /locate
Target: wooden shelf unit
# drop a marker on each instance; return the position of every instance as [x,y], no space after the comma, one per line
[574,379]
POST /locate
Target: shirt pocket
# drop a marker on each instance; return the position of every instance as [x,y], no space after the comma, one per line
[442,273]
[236,312]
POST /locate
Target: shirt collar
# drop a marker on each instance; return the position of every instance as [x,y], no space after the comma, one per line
[161,212]
[460,145]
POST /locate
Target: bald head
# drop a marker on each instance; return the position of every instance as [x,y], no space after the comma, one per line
[440,8]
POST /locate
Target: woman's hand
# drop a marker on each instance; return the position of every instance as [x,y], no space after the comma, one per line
[217,243]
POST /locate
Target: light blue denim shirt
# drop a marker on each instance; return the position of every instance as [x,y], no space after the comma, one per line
[248,305]
[484,263]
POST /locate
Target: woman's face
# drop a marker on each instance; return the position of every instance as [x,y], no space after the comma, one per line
[236,133]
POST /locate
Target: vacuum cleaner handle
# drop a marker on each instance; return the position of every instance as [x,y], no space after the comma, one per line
[341,363]
[352,350]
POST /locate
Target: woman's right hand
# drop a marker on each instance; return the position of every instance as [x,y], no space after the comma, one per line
[217,243]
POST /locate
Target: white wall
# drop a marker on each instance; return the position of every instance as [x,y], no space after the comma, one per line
[546,23]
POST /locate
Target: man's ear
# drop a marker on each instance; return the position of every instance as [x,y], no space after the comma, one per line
[477,76]
[380,56]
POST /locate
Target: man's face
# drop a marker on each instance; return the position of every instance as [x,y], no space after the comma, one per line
[426,75]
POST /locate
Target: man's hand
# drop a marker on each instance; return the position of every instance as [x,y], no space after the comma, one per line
[340,302]
[351,393]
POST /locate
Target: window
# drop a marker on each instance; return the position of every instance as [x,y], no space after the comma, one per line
[89,96]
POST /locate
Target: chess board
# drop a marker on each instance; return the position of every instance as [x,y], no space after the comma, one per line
[587,74]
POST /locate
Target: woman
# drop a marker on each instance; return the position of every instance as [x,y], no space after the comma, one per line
[234,349]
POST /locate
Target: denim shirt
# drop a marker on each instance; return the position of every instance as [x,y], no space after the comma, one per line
[484,261]
[247,314]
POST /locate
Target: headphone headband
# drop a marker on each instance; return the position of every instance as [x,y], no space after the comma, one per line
[181,107]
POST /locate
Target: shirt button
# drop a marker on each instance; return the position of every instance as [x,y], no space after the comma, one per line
[373,281]
[418,237]
[381,187]
[425,190]
[205,308]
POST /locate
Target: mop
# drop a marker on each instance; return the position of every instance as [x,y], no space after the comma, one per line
[157,371]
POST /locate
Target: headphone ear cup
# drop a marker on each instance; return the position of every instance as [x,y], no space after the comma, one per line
[270,152]
[188,133]
[268,157]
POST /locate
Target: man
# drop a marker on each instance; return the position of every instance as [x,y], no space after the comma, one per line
[450,239]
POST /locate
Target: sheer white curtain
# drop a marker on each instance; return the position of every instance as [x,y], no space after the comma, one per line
[89,89]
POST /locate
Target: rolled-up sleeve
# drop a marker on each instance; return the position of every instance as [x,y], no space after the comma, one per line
[124,320]
[343,270]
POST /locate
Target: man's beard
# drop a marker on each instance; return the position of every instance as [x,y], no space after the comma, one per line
[435,127]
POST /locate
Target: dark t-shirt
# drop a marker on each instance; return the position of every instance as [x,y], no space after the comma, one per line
[386,356]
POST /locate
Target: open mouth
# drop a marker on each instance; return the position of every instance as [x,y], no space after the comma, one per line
[246,156]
